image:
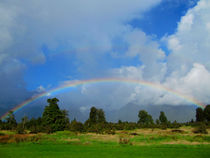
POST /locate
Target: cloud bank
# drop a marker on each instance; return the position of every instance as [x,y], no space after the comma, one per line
[99,37]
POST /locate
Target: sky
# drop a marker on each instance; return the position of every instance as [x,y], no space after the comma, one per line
[47,43]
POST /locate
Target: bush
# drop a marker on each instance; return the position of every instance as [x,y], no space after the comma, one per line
[163,127]
[134,134]
[174,125]
[177,131]
[201,129]
[2,134]
[20,129]
[109,131]
[76,126]
[37,129]
[124,140]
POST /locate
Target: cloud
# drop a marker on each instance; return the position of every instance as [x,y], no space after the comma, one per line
[185,70]
[93,30]
[189,44]
[12,85]
[193,84]
[85,28]
[75,24]
[149,52]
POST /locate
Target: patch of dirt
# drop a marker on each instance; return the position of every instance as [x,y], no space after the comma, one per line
[185,142]
[16,138]
[72,140]
[104,137]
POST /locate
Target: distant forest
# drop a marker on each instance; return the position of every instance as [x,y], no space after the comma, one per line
[54,119]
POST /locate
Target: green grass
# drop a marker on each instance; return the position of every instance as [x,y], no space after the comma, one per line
[27,150]
[66,144]
[3,132]
[156,139]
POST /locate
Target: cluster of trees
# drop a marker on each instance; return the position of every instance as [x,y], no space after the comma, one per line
[54,119]
[146,120]
[95,123]
[203,115]
[10,123]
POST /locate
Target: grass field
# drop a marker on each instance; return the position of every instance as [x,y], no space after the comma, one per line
[139,143]
[102,151]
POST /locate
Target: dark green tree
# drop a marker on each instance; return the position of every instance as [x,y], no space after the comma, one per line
[93,115]
[207,112]
[24,122]
[145,118]
[65,118]
[199,115]
[157,121]
[11,122]
[1,124]
[35,125]
[163,119]
[76,126]
[53,119]
[96,122]
[20,129]
[101,116]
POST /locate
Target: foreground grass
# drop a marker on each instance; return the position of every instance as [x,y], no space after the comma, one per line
[102,151]
[145,143]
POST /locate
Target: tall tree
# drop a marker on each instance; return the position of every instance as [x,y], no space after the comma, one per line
[1,124]
[53,118]
[11,122]
[93,115]
[144,117]
[24,122]
[163,119]
[199,115]
[101,116]
[207,112]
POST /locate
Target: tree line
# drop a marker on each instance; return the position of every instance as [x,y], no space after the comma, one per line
[54,119]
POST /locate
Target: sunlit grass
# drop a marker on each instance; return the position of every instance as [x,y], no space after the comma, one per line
[145,143]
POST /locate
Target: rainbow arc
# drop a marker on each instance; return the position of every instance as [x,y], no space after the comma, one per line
[105,80]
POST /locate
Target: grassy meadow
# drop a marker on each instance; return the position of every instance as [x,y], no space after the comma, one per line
[139,143]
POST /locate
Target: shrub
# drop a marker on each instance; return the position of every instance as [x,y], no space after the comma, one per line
[201,129]
[76,126]
[177,131]
[163,126]
[124,140]
[109,131]
[134,134]
[2,134]
[20,129]
[33,130]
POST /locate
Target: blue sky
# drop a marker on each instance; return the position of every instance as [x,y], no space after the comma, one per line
[163,19]
[160,41]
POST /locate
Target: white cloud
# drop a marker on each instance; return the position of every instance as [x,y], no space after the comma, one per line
[187,68]
[7,22]
[149,53]
[174,44]
[186,22]
[79,24]
[84,27]
[131,72]
[190,44]
[193,84]
[40,89]
[88,29]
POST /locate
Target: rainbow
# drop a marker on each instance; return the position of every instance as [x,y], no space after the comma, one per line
[104,80]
